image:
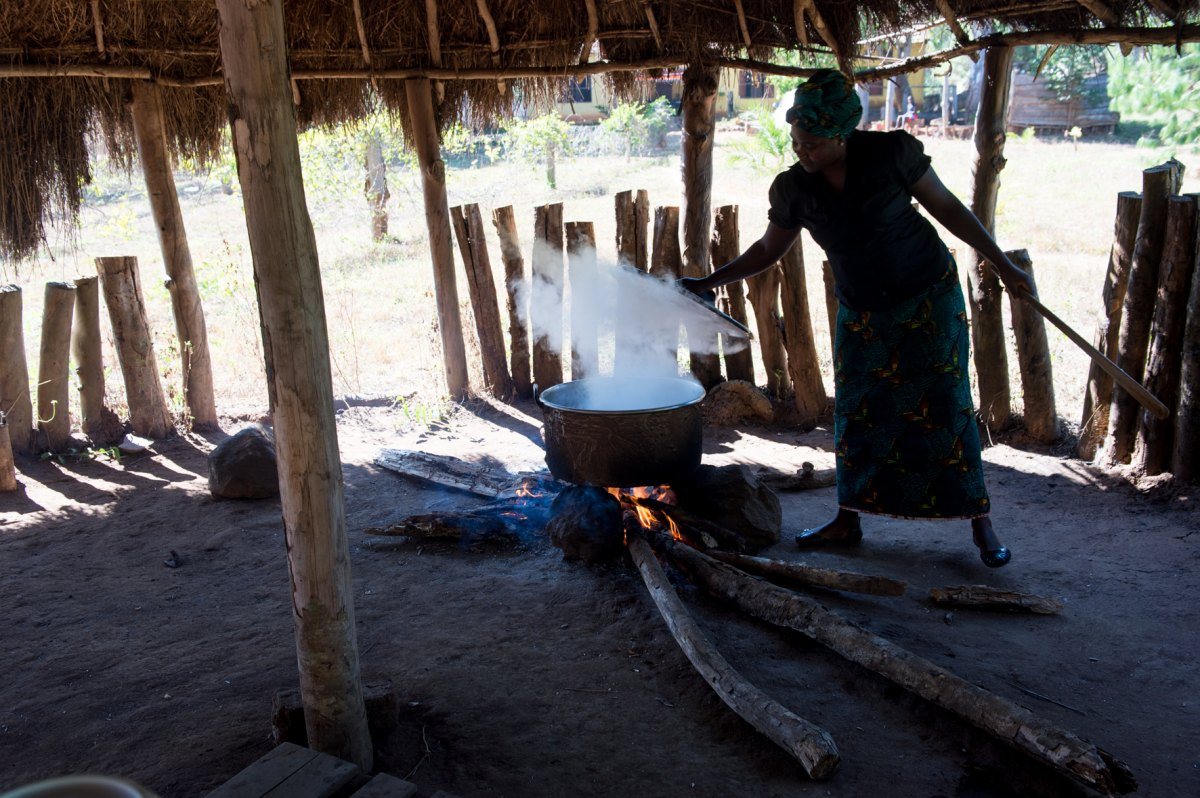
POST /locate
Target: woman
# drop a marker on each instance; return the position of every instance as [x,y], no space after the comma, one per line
[906,439]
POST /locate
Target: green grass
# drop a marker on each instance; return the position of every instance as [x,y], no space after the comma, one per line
[1057,200]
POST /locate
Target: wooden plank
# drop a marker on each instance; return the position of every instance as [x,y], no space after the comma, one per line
[323,776]
[266,773]
[385,786]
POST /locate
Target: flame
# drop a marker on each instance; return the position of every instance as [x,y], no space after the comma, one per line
[647,517]
[525,490]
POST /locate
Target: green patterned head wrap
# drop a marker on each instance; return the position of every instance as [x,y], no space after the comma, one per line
[826,105]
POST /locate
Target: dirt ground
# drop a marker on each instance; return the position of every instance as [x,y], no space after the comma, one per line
[523,675]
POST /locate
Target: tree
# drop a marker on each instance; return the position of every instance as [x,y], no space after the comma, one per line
[1162,87]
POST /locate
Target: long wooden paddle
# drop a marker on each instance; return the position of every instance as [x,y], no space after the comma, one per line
[1135,388]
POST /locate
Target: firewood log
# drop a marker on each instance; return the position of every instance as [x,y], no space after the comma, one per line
[817,577]
[984,597]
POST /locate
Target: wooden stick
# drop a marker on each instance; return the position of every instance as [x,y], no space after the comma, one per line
[361,28]
[1098,8]
[952,22]
[831,304]
[15,401]
[1033,358]
[1007,722]
[593,29]
[798,7]
[493,39]
[582,274]
[739,363]
[803,367]
[546,308]
[763,292]
[54,385]
[811,745]
[816,577]
[97,422]
[135,347]
[98,26]
[435,44]
[468,228]
[8,470]
[516,288]
[1185,454]
[984,597]
[741,14]
[653,24]
[1152,452]
[1094,423]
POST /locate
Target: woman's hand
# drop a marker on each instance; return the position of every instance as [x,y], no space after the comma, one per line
[1016,281]
[698,286]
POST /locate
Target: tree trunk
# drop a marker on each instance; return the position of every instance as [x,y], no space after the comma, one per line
[1033,358]
[831,304]
[198,395]
[764,298]
[1158,183]
[437,219]
[1154,438]
[739,364]
[518,313]
[135,347]
[468,228]
[99,423]
[698,108]
[54,382]
[1185,454]
[987,324]
[15,403]
[376,188]
[584,279]
[633,219]
[1094,424]
[546,309]
[284,252]
[803,366]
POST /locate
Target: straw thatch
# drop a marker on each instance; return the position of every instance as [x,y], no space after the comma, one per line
[65,65]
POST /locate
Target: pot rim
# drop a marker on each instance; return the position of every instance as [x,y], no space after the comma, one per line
[541,398]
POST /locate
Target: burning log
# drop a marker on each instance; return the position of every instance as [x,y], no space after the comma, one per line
[815,577]
[809,744]
[1009,723]
[990,598]
[469,527]
[451,472]
[585,523]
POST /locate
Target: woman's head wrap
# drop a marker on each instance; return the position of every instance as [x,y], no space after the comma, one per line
[826,105]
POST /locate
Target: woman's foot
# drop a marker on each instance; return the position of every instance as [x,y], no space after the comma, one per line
[843,530]
[991,551]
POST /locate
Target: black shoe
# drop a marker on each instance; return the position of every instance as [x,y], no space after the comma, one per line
[814,538]
[995,558]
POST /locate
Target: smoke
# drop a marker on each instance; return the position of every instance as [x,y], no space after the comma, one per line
[617,321]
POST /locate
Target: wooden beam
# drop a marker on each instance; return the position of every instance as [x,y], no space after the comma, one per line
[593,31]
[435,43]
[149,128]
[361,27]
[952,21]
[437,220]
[98,25]
[798,7]
[741,13]
[284,253]
[1098,8]
[1164,8]
[824,31]
[653,24]
[493,39]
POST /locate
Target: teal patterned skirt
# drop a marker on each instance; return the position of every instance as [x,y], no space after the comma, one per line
[904,423]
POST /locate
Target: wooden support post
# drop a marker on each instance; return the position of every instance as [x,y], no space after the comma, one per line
[1094,424]
[889,103]
[666,263]
[468,228]
[437,219]
[135,347]
[739,363]
[1185,454]
[831,304]
[99,423]
[1158,183]
[1152,453]
[584,280]
[148,125]
[763,291]
[1033,357]
[15,403]
[54,382]
[546,310]
[987,325]
[632,240]
[262,117]
[8,469]
[698,109]
[515,286]
[376,188]
[946,89]
[803,366]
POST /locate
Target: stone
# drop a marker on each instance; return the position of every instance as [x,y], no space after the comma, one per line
[732,496]
[243,465]
[586,523]
[735,401]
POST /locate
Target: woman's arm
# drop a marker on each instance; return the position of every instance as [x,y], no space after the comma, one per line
[958,219]
[758,257]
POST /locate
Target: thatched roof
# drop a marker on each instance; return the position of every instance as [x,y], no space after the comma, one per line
[65,65]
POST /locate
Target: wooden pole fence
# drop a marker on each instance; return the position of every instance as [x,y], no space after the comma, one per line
[1033,360]
[739,364]
[472,245]
[54,384]
[546,309]
[516,289]
[804,368]
[15,402]
[583,278]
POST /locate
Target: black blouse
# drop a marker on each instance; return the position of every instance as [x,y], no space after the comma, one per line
[880,249]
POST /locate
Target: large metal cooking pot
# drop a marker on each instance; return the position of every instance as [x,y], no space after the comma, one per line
[623,431]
